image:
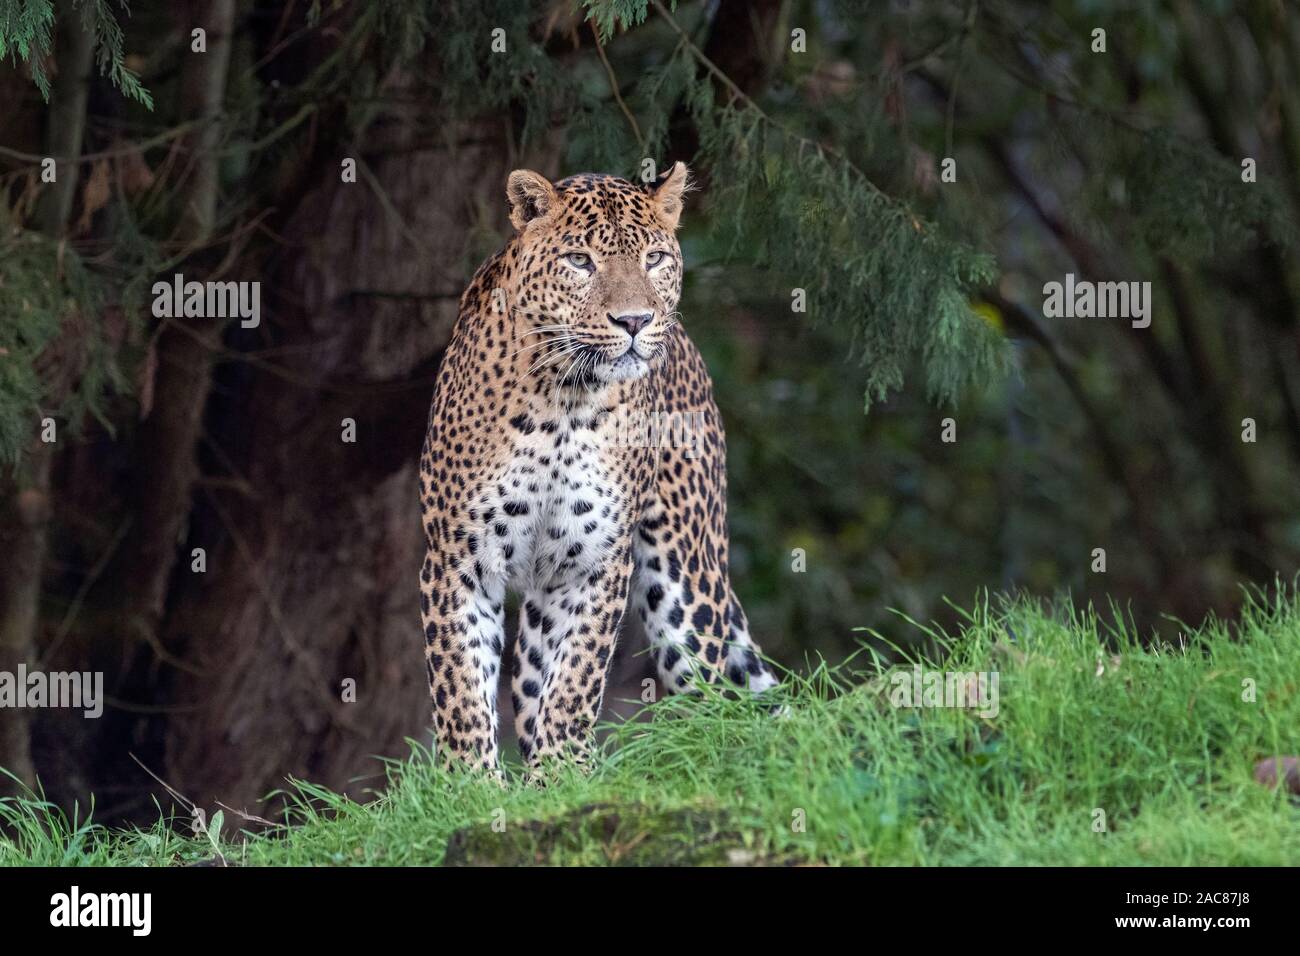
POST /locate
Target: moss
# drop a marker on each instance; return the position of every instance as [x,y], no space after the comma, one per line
[634,834]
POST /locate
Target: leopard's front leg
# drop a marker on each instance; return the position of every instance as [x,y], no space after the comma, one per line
[587,615]
[463,614]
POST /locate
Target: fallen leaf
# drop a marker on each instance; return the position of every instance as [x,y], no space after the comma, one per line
[133,173]
[1266,772]
[94,196]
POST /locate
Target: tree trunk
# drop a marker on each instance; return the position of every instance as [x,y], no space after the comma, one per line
[25,531]
[22,536]
[314,543]
[167,443]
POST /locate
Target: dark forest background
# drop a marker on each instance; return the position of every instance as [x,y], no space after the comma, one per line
[817,131]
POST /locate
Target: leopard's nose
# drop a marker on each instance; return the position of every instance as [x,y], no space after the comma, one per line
[633,322]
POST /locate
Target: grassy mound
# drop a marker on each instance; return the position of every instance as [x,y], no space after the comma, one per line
[1102,751]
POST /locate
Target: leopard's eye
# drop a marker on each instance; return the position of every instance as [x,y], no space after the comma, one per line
[655,258]
[580,260]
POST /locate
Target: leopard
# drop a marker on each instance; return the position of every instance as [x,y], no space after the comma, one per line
[574,457]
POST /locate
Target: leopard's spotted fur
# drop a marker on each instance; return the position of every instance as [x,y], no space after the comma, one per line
[538,474]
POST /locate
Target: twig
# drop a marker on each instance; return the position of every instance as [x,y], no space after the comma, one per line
[395,215]
[739,94]
[184,801]
[919,60]
[174,133]
[195,810]
[967,29]
[198,819]
[250,817]
[613,86]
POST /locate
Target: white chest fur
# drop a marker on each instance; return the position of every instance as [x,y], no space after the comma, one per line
[556,508]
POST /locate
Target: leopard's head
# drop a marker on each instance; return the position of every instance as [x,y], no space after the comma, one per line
[600,272]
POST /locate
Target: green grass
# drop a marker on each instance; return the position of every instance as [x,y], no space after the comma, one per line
[1158,737]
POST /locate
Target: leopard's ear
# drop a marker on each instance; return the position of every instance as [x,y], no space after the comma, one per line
[667,193]
[531,196]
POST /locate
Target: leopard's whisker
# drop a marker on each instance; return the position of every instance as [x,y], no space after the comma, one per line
[547,363]
[555,343]
[564,347]
[575,363]
[554,356]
